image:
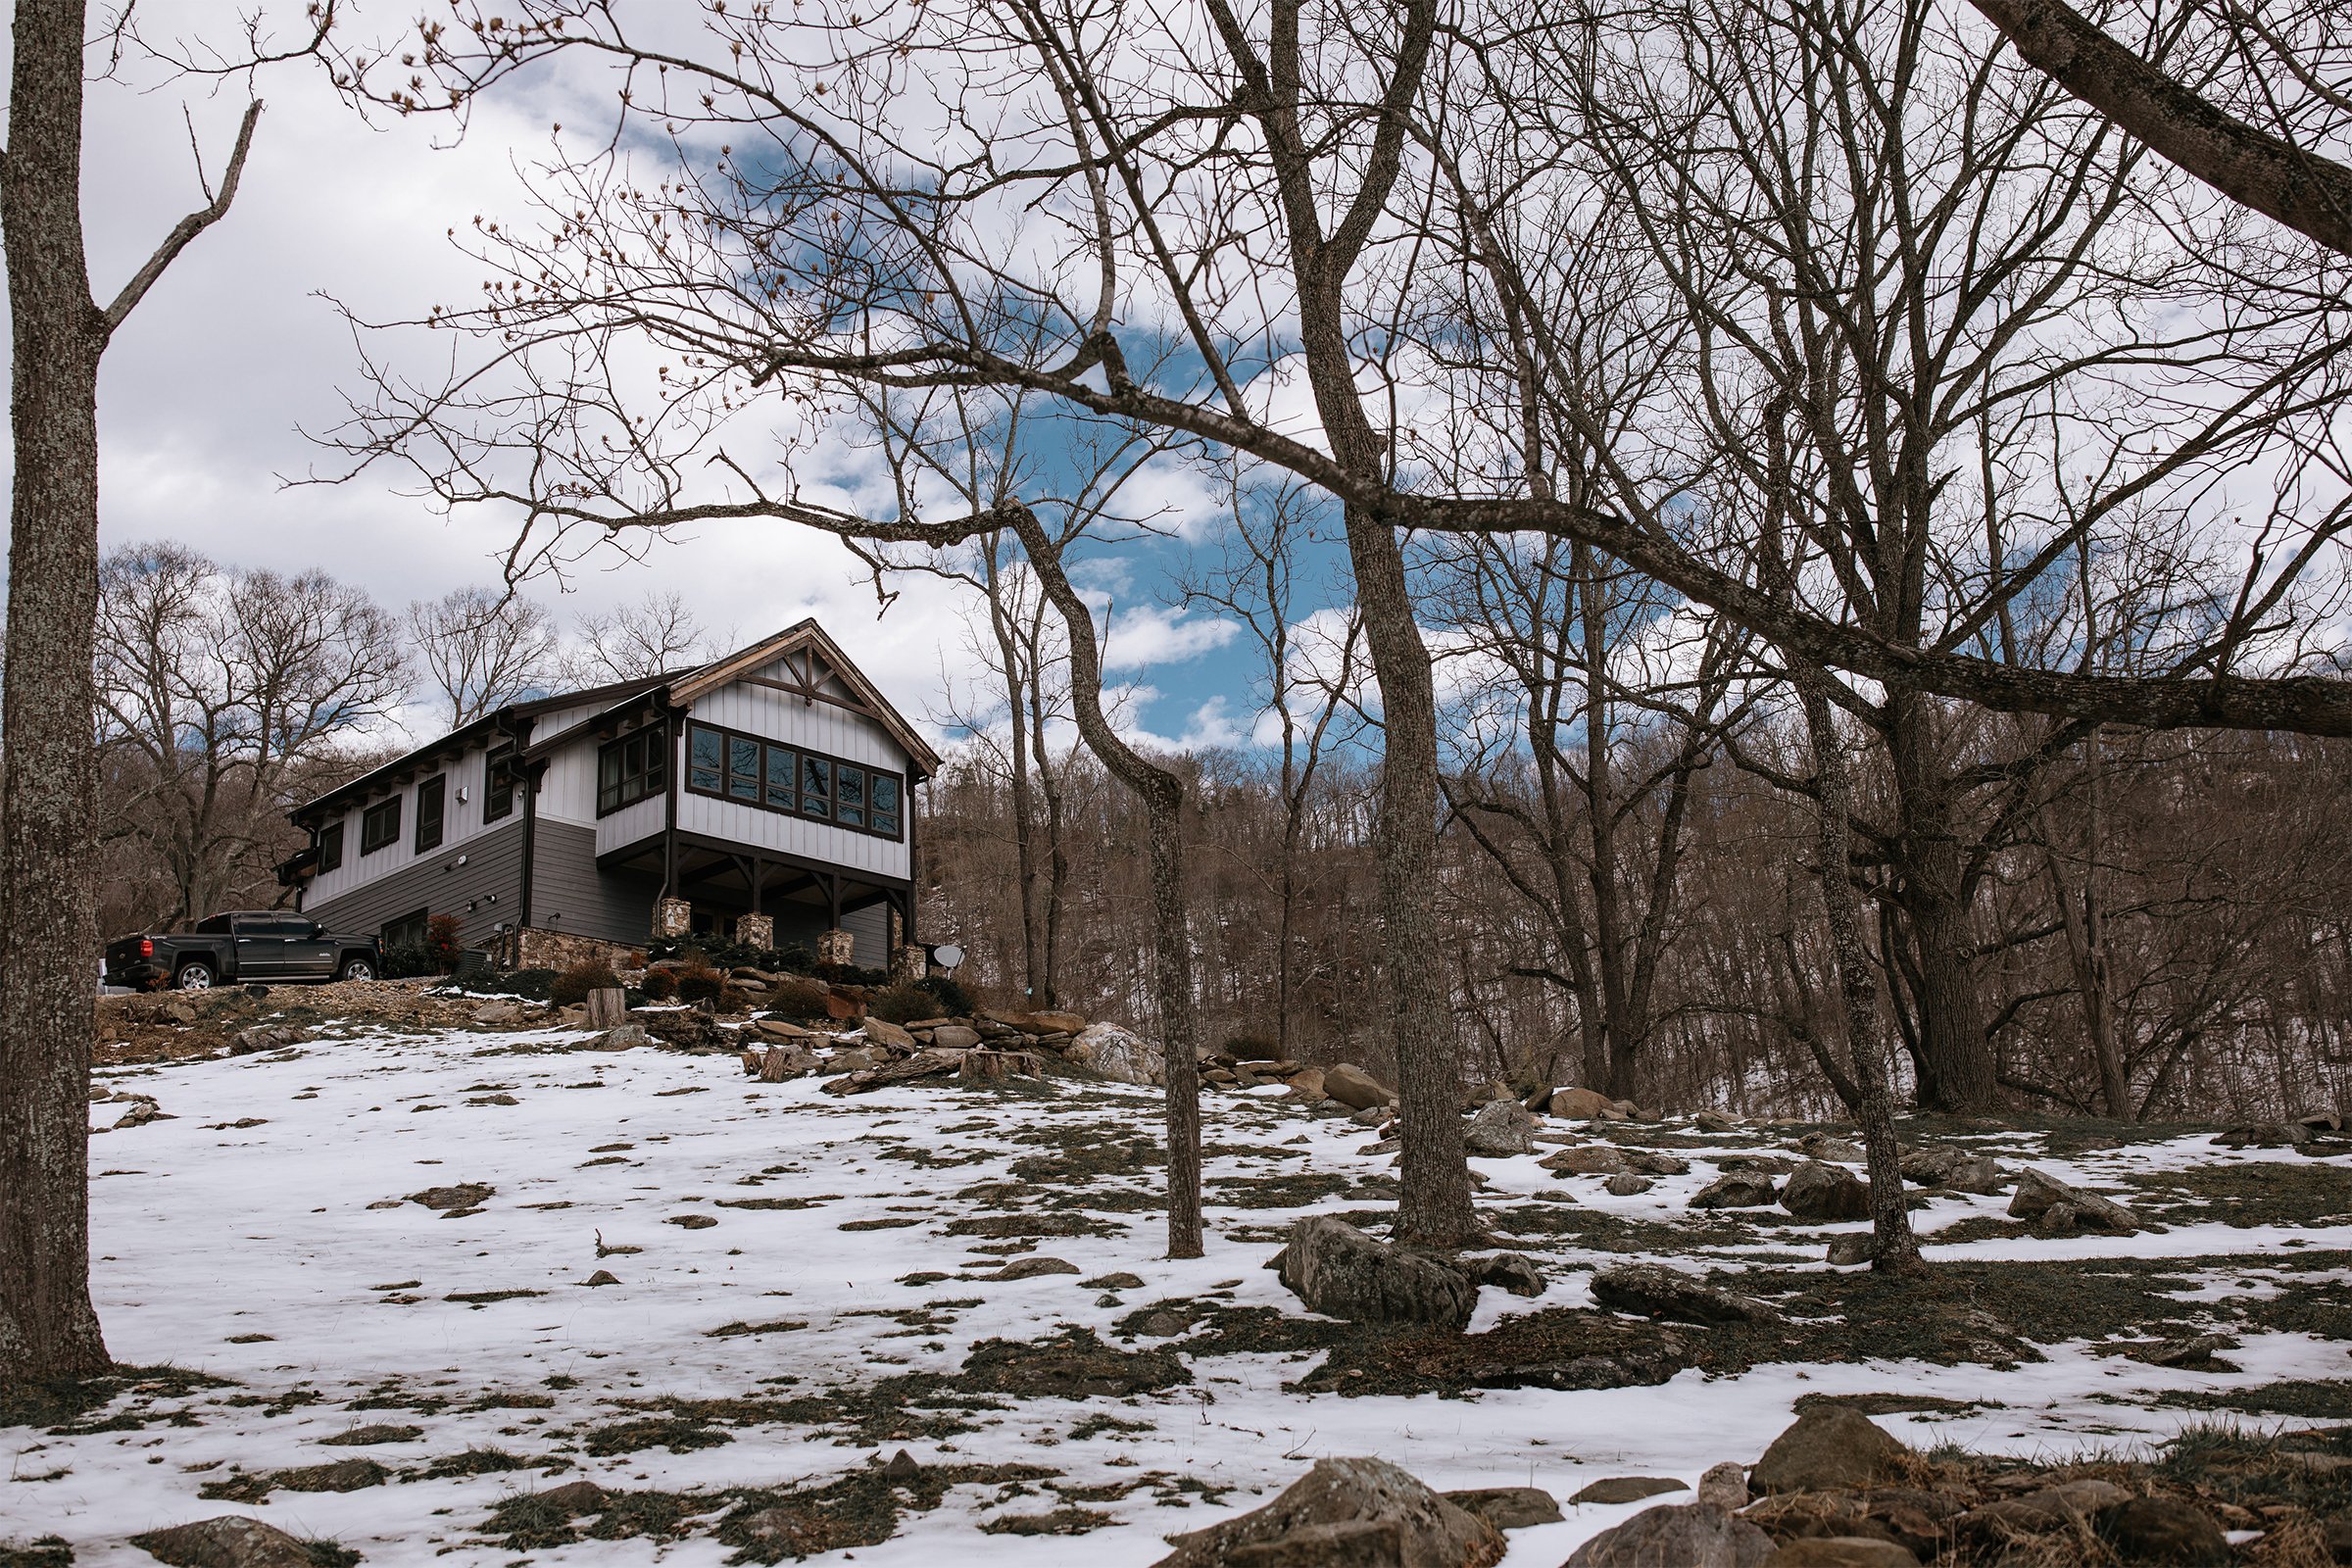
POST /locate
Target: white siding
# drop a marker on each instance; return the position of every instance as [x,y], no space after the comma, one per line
[460,821]
[567,789]
[629,824]
[821,727]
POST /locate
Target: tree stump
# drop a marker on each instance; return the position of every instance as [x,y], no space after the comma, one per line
[778,1063]
[988,1066]
[607,1008]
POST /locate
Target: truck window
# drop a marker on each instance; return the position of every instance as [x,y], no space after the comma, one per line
[213,926]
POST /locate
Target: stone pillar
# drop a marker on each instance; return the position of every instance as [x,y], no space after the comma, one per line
[756,930]
[837,946]
[908,963]
[673,918]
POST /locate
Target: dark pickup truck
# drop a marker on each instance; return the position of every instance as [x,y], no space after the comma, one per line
[234,949]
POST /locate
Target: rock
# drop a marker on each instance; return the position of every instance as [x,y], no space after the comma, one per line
[1353,1087]
[692,1222]
[1725,1485]
[1650,1163]
[882,1032]
[1713,1121]
[1502,1127]
[1508,1507]
[1629,1488]
[1651,1290]
[1119,1055]
[1585,1104]
[2164,1529]
[276,1037]
[574,1498]
[1340,1272]
[467,1194]
[1345,1513]
[2266,1135]
[1588,1160]
[2039,1195]
[1821,1145]
[1841,1551]
[955,1037]
[1372,1116]
[140,1114]
[497,1012]
[1955,1168]
[1058,1023]
[1830,1447]
[602,1276]
[1689,1536]
[1508,1272]
[1029,1268]
[1307,1084]
[231,1540]
[2056,1507]
[781,1029]
[1820,1191]
[1855,1246]
[1737,1189]
[903,1466]
[629,1037]
[1625,1184]
[1756,1165]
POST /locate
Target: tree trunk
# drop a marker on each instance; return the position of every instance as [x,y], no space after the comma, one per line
[48,803]
[1936,897]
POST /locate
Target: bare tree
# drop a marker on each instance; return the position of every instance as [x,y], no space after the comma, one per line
[482,649]
[652,635]
[48,906]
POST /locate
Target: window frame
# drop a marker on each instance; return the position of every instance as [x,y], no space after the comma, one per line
[651,780]
[434,792]
[385,812]
[419,919]
[802,760]
[499,803]
[330,846]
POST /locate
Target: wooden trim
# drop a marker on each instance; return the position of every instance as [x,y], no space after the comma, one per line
[617,858]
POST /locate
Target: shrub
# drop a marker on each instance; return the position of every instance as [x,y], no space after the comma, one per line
[532,985]
[699,982]
[408,961]
[948,997]
[1252,1047]
[572,986]
[443,944]
[799,999]
[902,1003]
[661,985]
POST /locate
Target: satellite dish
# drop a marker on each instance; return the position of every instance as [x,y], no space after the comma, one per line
[946,957]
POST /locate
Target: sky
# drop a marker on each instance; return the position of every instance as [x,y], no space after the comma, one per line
[208,388]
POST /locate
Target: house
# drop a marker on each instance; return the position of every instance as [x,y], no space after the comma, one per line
[767,796]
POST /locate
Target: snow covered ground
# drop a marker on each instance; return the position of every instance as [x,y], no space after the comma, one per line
[261,1235]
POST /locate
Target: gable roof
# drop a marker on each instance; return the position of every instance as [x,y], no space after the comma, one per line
[823,660]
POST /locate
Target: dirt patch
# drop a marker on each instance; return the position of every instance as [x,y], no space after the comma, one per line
[678,1434]
[1072,1364]
[61,1406]
[2271,1192]
[344,1475]
[184,1025]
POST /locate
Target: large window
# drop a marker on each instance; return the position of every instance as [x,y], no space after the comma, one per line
[776,777]
[405,932]
[631,768]
[498,784]
[379,825]
[330,846]
[432,799]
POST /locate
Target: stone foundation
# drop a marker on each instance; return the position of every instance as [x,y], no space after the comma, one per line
[837,946]
[533,948]
[908,963]
[756,930]
[673,918]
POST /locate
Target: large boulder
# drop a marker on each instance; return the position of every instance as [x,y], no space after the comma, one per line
[232,1540]
[1955,1168]
[1816,1191]
[2057,1207]
[1824,1146]
[1340,1272]
[1345,1513]
[882,1032]
[1692,1534]
[1508,1507]
[2165,1530]
[1588,1160]
[1117,1054]
[1831,1446]
[1651,1290]
[1502,1127]
[1843,1552]
[1057,1023]
[1588,1103]
[1355,1087]
[1737,1189]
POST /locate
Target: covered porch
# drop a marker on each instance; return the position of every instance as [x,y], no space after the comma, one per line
[767,899]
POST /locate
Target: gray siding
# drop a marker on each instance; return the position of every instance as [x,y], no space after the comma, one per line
[491,879]
[568,894]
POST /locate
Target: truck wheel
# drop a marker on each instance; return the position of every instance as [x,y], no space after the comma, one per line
[194,977]
[356,969]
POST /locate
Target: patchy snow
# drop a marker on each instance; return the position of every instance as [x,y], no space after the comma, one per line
[290,1236]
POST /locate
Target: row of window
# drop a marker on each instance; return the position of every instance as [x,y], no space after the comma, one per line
[632,768]
[753,771]
[379,824]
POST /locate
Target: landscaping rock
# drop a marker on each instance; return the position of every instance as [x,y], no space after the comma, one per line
[470,1195]
[629,1037]
[1307,1084]
[955,1037]
[1586,1103]
[1856,1247]
[1508,1271]
[1625,1184]
[1057,1023]
[1340,1272]
[1821,1145]
[232,1540]
[1955,1168]
[1355,1087]
[2266,1135]
[1629,1488]
[1345,1513]
[1820,1191]
[1841,1551]
[1737,1189]
[2056,1507]
[603,1276]
[1508,1507]
[2164,1529]
[1502,1128]
[1725,1485]
[1119,1055]
[1589,1159]
[574,1498]
[1830,1447]
[1713,1121]
[1689,1536]
[882,1032]
[1652,1163]
[2056,1206]
[1029,1268]
[1651,1290]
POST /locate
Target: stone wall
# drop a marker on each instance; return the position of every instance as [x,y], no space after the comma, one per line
[534,949]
